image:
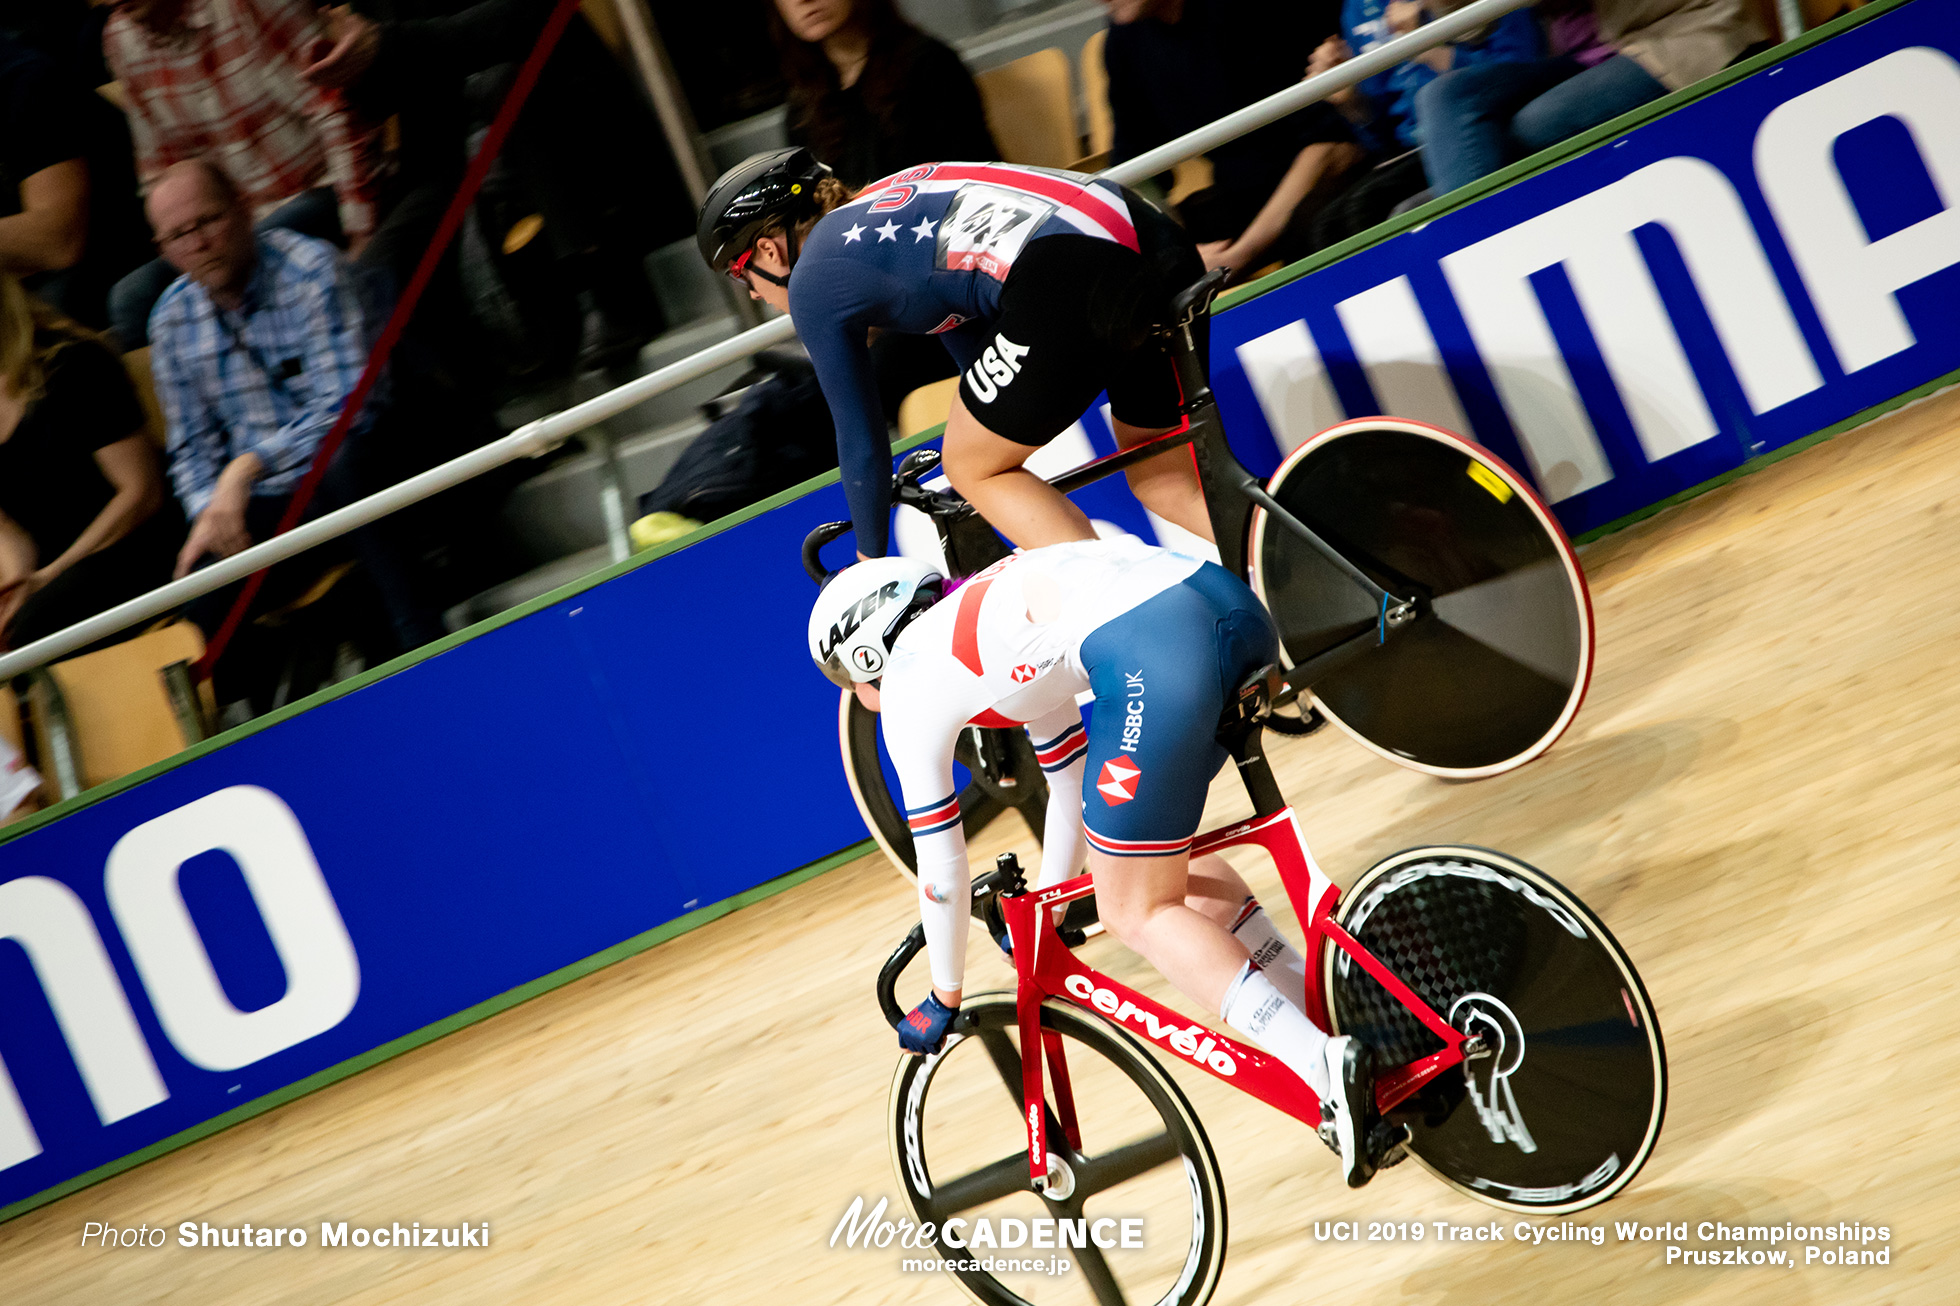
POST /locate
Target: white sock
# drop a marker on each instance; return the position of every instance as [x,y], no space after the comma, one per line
[1270,951]
[1258,1010]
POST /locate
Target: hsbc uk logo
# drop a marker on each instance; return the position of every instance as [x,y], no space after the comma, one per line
[1118,782]
[1133,713]
[1024,673]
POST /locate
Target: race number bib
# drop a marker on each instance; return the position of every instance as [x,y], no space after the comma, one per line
[985,227]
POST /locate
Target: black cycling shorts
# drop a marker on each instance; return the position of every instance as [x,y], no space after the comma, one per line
[1076,314]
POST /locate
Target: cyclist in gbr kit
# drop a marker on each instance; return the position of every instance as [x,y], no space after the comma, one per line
[1042,284]
[1163,641]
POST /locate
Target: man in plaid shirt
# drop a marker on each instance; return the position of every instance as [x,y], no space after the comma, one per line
[257,348]
[220,79]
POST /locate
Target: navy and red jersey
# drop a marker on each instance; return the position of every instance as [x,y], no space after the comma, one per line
[924,252]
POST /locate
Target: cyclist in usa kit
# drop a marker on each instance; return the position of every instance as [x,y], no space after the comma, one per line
[1163,641]
[1043,285]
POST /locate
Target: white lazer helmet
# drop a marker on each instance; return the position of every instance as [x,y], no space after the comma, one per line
[861,611]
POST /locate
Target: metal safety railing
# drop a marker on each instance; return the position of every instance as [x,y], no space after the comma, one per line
[544,434]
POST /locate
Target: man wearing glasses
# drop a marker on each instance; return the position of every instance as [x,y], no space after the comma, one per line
[221,79]
[256,348]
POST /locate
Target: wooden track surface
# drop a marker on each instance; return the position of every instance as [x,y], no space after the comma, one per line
[1759,799]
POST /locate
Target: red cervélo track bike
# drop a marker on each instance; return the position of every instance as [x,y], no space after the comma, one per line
[1429,604]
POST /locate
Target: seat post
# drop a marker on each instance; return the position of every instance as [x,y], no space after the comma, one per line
[1249,754]
[1220,475]
[1242,730]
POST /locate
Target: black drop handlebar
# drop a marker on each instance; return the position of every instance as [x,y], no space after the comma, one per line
[1005,878]
[912,945]
[813,548]
[939,505]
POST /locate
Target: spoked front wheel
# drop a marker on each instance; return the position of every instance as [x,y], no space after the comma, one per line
[1567,1106]
[1493,667]
[959,1145]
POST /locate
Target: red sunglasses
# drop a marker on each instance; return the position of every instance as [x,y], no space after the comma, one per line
[739,269]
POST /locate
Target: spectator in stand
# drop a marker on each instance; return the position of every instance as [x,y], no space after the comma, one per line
[74,227]
[84,520]
[1382,109]
[1608,57]
[257,347]
[1176,65]
[221,79]
[586,151]
[870,94]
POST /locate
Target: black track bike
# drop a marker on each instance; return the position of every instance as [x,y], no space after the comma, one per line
[1428,603]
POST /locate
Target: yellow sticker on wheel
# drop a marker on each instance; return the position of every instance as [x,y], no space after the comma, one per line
[1491,481]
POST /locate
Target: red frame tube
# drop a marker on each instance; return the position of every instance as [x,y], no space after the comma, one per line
[1045,968]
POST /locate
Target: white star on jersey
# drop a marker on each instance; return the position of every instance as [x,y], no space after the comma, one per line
[855,232]
[887,232]
[923,231]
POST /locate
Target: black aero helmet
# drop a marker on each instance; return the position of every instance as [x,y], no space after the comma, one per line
[777,187]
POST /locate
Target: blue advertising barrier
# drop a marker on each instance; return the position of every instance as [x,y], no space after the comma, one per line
[1716,284]
[285,904]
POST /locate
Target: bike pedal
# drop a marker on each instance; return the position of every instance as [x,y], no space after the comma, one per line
[1389,1144]
[1327,1134]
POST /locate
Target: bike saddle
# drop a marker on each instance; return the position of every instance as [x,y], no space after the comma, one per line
[1194,301]
[1253,703]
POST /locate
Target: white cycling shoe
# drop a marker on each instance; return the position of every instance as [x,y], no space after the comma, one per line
[1348,1110]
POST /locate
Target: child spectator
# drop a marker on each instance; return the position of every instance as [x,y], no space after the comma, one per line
[84,520]
[222,78]
[1608,57]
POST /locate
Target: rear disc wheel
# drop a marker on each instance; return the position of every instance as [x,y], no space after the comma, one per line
[1568,1105]
[1496,662]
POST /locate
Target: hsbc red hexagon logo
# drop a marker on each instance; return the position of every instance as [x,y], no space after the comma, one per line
[1024,673]
[1118,782]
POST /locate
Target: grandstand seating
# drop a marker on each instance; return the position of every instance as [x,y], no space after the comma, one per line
[1095,95]
[1031,111]
[1188,176]
[137,363]
[11,733]
[554,521]
[926,407]
[604,17]
[104,714]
